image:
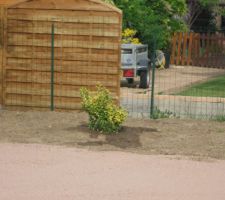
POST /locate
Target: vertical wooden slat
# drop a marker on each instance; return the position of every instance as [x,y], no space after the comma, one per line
[212,53]
[119,57]
[178,59]
[90,40]
[194,50]
[189,61]
[205,50]
[4,17]
[217,46]
[194,56]
[174,48]
[208,50]
[2,50]
[202,42]
[218,52]
[222,55]
[1,53]
[184,56]
[213,49]
[198,39]
[221,51]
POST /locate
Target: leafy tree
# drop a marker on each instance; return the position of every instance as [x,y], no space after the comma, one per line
[154,20]
[195,8]
[157,20]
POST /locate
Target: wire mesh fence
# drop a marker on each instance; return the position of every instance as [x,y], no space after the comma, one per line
[51,54]
[50,58]
[193,86]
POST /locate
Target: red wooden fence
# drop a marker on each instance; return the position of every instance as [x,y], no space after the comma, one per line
[205,50]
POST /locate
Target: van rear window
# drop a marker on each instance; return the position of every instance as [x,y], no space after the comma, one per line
[126,51]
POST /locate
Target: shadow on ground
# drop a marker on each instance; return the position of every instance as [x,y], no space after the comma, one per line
[129,137]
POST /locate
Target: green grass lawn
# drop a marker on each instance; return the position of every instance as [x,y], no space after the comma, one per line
[212,88]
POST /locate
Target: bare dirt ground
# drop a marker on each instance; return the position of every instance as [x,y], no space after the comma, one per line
[40,172]
[109,172]
[197,139]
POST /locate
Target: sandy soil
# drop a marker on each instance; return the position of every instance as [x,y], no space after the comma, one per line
[109,172]
[40,172]
[196,139]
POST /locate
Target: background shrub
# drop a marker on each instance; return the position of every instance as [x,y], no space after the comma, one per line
[104,115]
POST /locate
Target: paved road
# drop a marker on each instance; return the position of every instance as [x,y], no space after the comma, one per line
[56,173]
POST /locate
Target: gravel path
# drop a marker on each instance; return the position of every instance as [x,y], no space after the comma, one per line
[41,172]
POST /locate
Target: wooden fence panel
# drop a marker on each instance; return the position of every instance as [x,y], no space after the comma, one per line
[179,48]
[203,50]
[184,59]
[86,53]
[1,45]
[2,51]
[174,47]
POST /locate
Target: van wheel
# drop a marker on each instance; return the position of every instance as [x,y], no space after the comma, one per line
[144,79]
[130,80]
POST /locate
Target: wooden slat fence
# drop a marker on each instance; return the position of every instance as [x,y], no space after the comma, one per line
[1,52]
[87,40]
[204,50]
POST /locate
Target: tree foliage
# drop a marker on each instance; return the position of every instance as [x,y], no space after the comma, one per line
[195,8]
[157,20]
[154,20]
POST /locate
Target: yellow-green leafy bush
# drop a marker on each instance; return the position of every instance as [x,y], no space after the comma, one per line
[104,115]
[128,37]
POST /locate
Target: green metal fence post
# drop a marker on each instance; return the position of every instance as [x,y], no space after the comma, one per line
[153,81]
[52,66]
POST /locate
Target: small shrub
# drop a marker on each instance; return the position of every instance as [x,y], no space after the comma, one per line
[104,115]
[158,114]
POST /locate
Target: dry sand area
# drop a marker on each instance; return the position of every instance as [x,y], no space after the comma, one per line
[53,156]
[40,172]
